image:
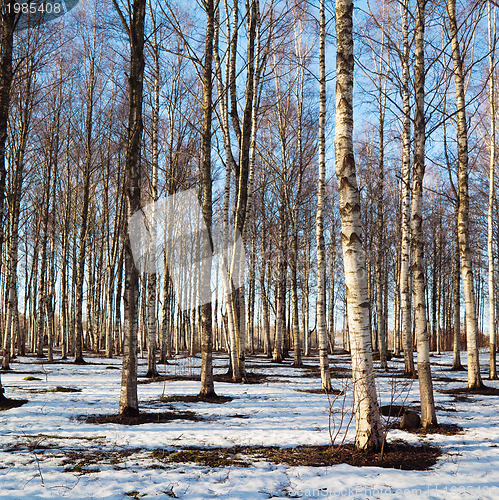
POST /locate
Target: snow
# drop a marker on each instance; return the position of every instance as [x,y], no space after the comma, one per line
[37,437]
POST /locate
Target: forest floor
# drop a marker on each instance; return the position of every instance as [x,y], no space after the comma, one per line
[62,442]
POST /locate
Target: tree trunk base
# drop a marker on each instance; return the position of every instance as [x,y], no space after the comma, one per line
[370,446]
[429,426]
[211,394]
[152,374]
[458,368]
[477,386]
[79,361]
[128,411]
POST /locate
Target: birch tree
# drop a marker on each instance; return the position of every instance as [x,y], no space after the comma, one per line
[207,386]
[428,415]
[405,262]
[242,126]
[151,281]
[94,54]
[367,415]
[321,248]
[491,18]
[25,111]
[474,377]
[6,44]
[135,31]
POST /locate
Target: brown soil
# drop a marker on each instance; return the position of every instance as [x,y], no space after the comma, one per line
[444,379]
[65,389]
[251,378]
[168,378]
[444,429]
[391,374]
[319,391]
[196,399]
[82,462]
[141,418]
[57,389]
[20,372]
[7,404]
[220,457]
[484,391]
[397,456]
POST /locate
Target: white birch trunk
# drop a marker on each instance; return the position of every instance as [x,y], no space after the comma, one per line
[474,377]
[490,215]
[128,397]
[405,259]
[151,284]
[369,433]
[428,415]
[321,251]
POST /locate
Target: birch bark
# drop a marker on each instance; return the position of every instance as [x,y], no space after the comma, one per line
[321,250]
[405,260]
[128,397]
[490,215]
[428,415]
[474,377]
[367,416]
[207,386]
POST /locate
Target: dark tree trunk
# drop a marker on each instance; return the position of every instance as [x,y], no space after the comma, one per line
[207,386]
[128,398]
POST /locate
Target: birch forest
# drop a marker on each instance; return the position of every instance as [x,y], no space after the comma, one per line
[340,157]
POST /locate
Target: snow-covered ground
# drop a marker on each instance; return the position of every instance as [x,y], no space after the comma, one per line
[36,438]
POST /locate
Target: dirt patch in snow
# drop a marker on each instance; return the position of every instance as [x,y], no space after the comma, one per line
[400,455]
[484,391]
[444,429]
[320,391]
[251,378]
[444,379]
[219,457]
[397,456]
[195,399]
[334,371]
[168,378]
[141,418]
